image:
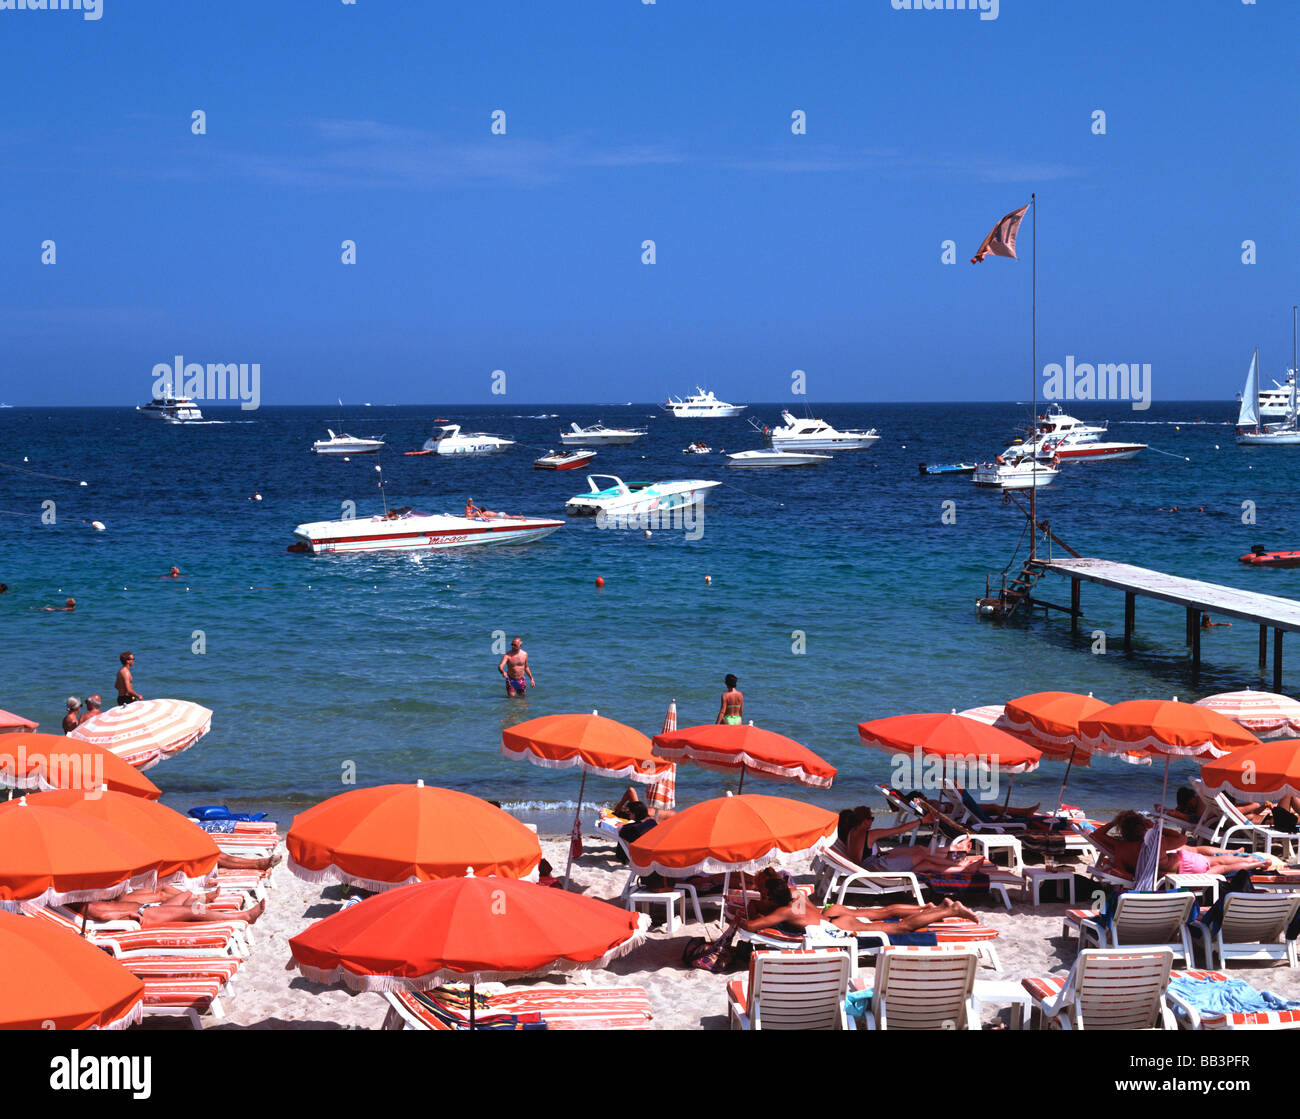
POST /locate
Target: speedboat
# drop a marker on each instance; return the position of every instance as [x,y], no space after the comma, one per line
[450,440]
[702,405]
[815,435]
[770,457]
[563,460]
[618,499]
[172,410]
[1258,557]
[1016,474]
[345,445]
[697,449]
[600,435]
[948,468]
[1071,440]
[407,530]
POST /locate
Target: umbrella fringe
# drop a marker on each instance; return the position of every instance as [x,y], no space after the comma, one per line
[132,1017]
[73,897]
[723,764]
[381,983]
[631,772]
[717,866]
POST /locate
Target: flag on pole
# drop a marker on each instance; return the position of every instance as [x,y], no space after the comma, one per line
[1001,240]
[663,793]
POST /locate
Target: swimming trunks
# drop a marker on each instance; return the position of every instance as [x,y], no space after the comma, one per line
[1192,862]
[123,700]
[513,686]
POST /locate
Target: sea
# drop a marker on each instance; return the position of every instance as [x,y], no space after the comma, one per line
[837,594]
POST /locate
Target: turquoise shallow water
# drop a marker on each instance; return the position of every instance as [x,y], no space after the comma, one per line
[388,661]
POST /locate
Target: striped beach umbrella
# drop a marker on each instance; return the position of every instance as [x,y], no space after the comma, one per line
[746,749]
[148,731]
[1265,714]
[663,793]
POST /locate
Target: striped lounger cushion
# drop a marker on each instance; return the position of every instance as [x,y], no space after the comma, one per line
[182,936]
[578,1008]
[197,994]
[1272,1019]
[182,967]
[1044,988]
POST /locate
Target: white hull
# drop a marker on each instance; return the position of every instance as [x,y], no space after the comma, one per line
[453,441]
[1094,452]
[416,532]
[346,445]
[716,412]
[171,412]
[774,458]
[844,442]
[1010,477]
[1269,439]
[599,436]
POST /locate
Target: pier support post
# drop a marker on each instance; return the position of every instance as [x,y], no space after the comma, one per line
[1196,651]
[1129,610]
[1074,605]
[1277,660]
[1192,626]
[1263,649]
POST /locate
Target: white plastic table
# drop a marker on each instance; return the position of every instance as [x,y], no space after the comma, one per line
[1035,876]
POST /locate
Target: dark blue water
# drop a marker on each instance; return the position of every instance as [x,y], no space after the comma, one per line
[838,594]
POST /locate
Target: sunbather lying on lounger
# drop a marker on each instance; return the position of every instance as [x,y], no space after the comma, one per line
[181,907]
[795,914]
[1211,860]
[1121,840]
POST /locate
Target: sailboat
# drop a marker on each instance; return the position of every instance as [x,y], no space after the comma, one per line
[1249,431]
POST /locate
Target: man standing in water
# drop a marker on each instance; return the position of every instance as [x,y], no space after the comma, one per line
[513,666]
[733,703]
[126,692]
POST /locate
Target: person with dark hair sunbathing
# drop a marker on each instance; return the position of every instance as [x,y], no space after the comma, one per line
[858,838]
[795,914]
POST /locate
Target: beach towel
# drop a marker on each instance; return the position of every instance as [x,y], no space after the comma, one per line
[1212,997]
[858,1004]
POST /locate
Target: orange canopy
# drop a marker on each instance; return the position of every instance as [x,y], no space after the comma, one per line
[1050,722]
[9,722]
[590,742]
[741,833]
[463,930]
[1162,728]
[1271,769]
[951,736]
[391,835]
[53,761]
[183,849]
[749,748]
[55,980]
[60,854]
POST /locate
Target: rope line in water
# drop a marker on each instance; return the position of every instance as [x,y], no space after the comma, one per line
[38,474]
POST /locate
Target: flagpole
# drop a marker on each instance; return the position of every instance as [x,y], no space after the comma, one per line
[1033,381]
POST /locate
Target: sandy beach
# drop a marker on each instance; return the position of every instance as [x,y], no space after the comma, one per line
[269,997]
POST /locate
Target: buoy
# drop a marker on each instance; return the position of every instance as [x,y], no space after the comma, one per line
[257,497]
[647,534]
[708,580]
[600,581]
[1216,447]
[98,526]
[81,483]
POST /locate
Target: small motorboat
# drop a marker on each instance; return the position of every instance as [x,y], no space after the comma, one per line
[948,468]
[1017,474]
[697,449]
[563,460]
[769,458]
[408,530]
[814,435]
[617,499]
[450,440]
[345,445]
[600,435]
[1258,557]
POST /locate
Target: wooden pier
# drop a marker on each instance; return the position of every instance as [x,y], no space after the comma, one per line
[1281,615]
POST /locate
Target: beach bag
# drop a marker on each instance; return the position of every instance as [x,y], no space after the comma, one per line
[717,956]
[1284,820]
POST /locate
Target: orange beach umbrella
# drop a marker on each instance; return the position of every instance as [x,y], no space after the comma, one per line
[950,736]
[459,930]
[392,835]
[54,761]
[746,749]
[1162,728]
[60,855]
[10,723]
[56,980]
[1271,769]
[184,851]
[740,833]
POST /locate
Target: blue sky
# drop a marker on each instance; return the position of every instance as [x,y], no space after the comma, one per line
[624,122]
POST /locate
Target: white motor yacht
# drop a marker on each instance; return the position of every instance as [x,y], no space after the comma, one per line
[1016,473]
[702,405]
[1063,436]
[770,457]
[598,435]
[1275,403]
[345,445]
[172,410]
[810,434]
[406,529]
[450,440]
[610,496]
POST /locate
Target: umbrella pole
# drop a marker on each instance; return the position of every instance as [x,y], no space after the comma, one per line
[1060,802]
[1007,803]
[577,823]
[471,1004]
[740,790]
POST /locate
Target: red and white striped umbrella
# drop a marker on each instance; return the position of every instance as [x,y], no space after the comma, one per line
[1265,714]
[993,715]
[663,793]
[9,722]
[148,731]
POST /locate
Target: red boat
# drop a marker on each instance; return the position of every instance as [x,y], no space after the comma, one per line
[563,460]
[1260,558]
